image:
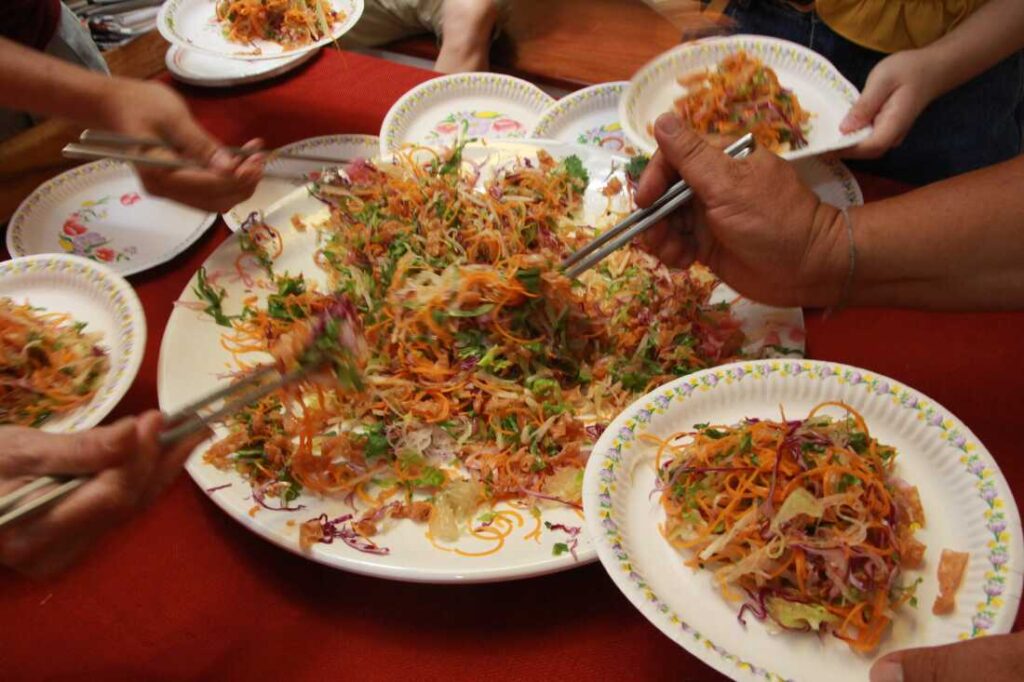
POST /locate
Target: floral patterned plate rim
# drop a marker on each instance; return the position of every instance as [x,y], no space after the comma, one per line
[270,190]
[480,105]
[587,116]
[208,71]
[821,89]
[193,24]
[967,500]
[100,211]
[93,294]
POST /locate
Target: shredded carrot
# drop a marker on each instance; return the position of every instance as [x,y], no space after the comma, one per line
[489,373]
[805,517]
[292,23]
[49,364]
[743,96]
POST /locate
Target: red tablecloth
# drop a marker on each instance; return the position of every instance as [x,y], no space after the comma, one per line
[183,592]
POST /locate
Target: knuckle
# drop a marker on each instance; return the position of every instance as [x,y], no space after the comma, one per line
[20,452]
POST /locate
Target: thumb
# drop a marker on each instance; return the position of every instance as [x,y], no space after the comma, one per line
[702,165]
[867,106]
[993,658]
[30,452]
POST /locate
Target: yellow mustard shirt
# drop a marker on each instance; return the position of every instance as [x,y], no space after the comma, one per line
[894,25]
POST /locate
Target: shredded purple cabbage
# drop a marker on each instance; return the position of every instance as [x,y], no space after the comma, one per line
[341,528]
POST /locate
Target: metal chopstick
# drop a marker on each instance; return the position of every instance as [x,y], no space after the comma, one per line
[78,151]
[103,137]
[196,422]
[185,421]
[47,498]
[640,221]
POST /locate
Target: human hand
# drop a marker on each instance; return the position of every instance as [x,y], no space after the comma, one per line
[993,659]
[751,221]
[148,109]
[897,90]
[128,469]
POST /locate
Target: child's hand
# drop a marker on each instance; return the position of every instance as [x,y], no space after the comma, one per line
[897,91]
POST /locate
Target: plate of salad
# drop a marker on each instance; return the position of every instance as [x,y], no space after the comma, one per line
[791,98]
[778,518]
[256,29]
[489,374]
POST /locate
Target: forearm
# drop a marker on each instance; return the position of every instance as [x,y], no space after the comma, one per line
[956,244]
[38,83]
[986,37]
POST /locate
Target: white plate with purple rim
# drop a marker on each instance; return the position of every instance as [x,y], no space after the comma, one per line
[821,89]
[968,507]
[96,295]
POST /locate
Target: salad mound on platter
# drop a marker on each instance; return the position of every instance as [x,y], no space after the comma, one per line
[802,522]
[488,374]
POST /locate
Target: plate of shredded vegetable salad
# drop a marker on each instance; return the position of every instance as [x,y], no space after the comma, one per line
[780,518]
[490,375]
[72,336]
[256,29]
[270,190]
[791,98]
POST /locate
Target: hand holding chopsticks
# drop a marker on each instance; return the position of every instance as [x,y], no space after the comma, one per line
[113,471]
[642,220]
[182,426]
[99,144]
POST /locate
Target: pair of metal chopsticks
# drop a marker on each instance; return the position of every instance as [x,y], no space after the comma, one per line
[98,144]
[181,424]
[640,221]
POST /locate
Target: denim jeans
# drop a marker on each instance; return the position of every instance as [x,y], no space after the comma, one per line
[976,125]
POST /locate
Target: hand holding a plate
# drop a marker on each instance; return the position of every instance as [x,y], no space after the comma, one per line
[897,90]
[993,659]
[127,470]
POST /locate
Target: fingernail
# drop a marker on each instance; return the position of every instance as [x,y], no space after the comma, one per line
[222,160]
[668,123]
[887,671]
[849,124]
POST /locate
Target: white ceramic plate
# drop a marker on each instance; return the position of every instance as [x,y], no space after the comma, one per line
[818,85]
[185,374]
[271,190]
[488,106]
[207,71]
[968,507]
[589,117]
[100,211]
[93,294]
[193,24]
